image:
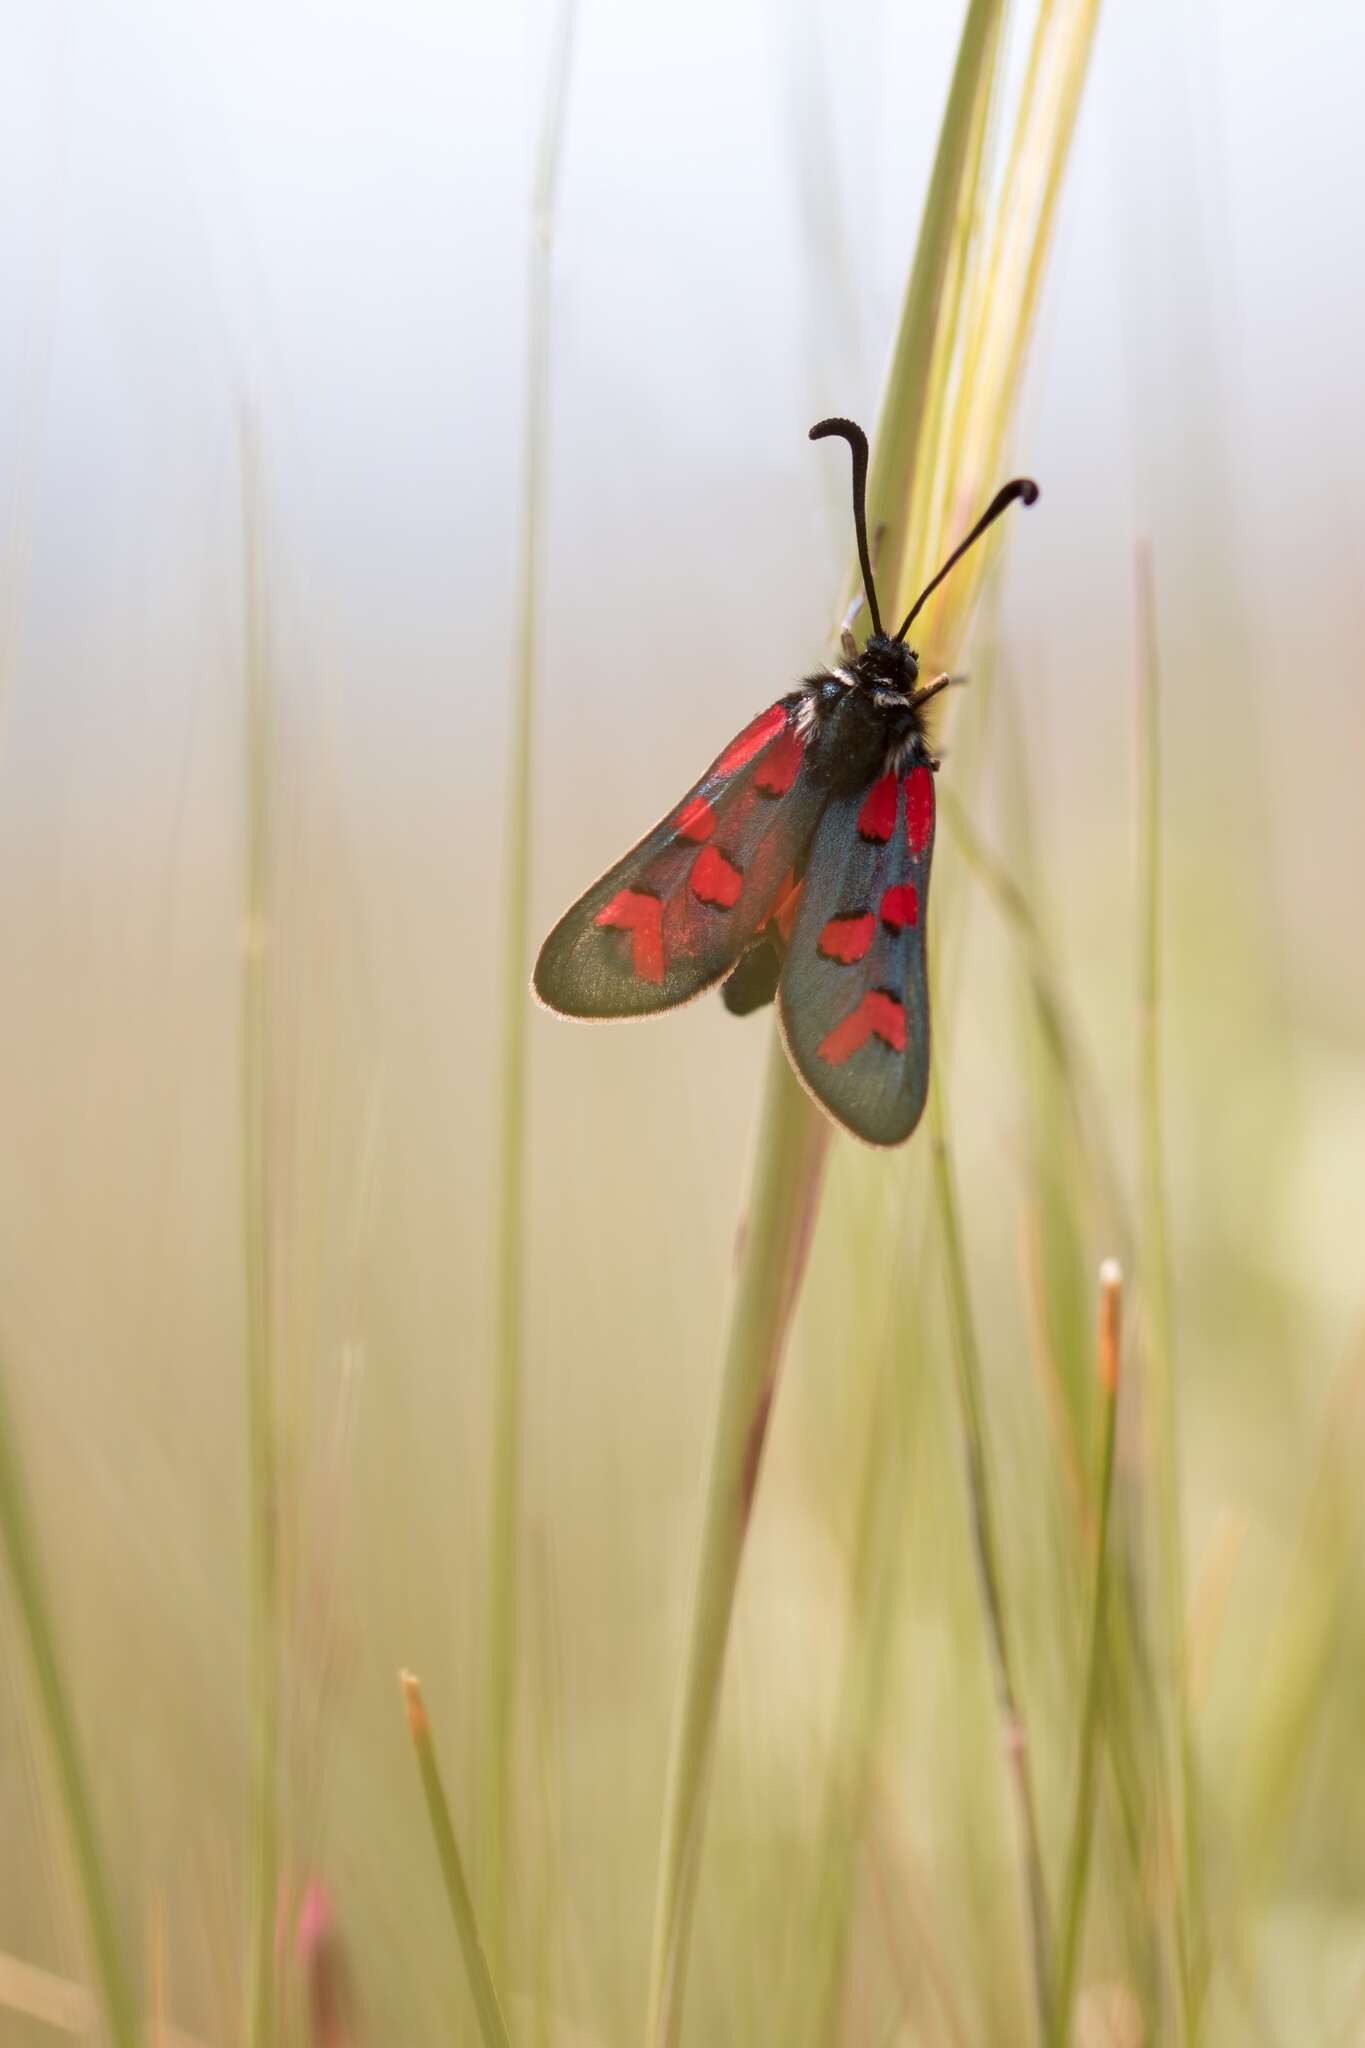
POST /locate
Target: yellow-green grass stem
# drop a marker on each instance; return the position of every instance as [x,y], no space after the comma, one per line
[263,1505]
[1072,1919]
[492,2025]
[925,532]
[792,1133]
[1061,1038]
[877,1578]
[899,449]
[967,1368]
[812,2002]
[960,412]
[1000,297]
[1155,1243]
[789,1155]
[58,1724]
[503,1587]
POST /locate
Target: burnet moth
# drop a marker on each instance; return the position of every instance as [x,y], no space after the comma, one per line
[796,868]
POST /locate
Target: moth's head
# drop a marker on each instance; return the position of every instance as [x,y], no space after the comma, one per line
[888,663]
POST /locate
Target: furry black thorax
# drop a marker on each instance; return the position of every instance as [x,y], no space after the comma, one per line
[863,718]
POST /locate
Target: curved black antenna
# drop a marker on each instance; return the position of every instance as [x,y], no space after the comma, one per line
[1022,487]
[857,441]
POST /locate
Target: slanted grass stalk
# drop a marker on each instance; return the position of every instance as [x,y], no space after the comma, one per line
[1071,1921]
[503,1592]
[262,1449]
[1156,1268]
[925,525]
[790,1150]
[792,1133]
[58,1724]
[812,2003]
[898,449]
[1075,1070]
[1000,299]
[879,1563]
[492,2025]
[967,1364]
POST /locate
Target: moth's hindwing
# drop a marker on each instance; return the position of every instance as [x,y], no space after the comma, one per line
[753,984]
[672,917]
[854,996]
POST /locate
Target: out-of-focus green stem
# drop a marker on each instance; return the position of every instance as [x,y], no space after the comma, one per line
[817,1984]
[492,2025]
[792,1133]
[502,1603]
[967,1362]
[1080,1092]
[1072,1921]
[40,1641]
[1001,294]
[262,1462]
[1156,1268]
[923,530]
[899,450]
[789,1155]
[809,2002]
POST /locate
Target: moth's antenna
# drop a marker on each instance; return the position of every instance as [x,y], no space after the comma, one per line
[857,441]
[1022,487]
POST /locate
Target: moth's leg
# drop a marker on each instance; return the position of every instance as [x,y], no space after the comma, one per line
[846,639]
[929,690]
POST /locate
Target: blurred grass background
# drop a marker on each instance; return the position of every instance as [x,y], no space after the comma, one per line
[326,210]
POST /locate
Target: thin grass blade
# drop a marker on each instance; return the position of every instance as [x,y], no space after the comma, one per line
[792,1133]
[967,1365]
[492,2025]
[503,1594]
[263,1506]
[39,1637]
[1072,1919]
[1155,1242]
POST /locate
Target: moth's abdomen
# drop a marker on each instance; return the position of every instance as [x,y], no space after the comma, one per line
[850,743]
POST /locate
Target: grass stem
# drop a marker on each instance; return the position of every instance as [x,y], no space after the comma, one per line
[966,1359]
[1072,1922]
[492,2025]
[503,1602]
[1155,1239]
[262,1455]
[792,1134]
[790,1151]
[58,1723]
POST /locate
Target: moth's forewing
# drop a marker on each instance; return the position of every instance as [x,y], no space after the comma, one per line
[675,914]
[854,995]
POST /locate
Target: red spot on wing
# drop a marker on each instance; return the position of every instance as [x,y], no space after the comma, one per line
[919,808]
[780,766]
[846,939]
[786,906]
[715,879]
[877,818]
[752,740]
[631,910]
[878,1013]
[696,819]
[900,906]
